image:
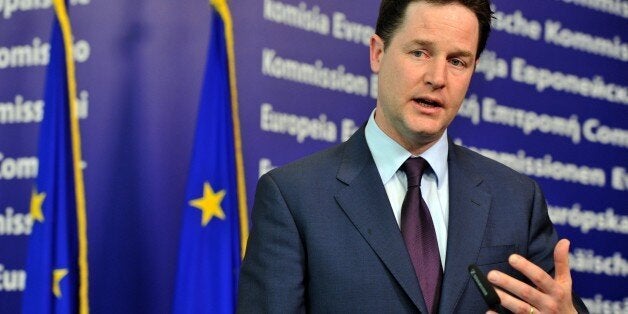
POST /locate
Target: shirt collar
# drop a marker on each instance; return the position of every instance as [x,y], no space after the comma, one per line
[389,155]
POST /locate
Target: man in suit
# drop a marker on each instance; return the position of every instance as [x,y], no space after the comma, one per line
[337,231]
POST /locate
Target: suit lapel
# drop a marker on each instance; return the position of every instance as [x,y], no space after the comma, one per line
[365,202]
[469,205]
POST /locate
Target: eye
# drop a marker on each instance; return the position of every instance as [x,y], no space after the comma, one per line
[457,63]
[418,53]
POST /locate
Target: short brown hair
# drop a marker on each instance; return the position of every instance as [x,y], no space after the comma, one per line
[392,13]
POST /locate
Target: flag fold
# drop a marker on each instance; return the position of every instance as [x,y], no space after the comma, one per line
[215,223]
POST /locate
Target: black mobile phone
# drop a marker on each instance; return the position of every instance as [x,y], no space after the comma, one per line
[486,289]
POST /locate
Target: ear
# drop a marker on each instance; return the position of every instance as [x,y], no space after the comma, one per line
[377,52]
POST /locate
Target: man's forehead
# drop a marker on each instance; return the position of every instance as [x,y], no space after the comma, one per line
[423,21]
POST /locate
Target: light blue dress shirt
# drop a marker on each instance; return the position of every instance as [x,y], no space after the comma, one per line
[389,156]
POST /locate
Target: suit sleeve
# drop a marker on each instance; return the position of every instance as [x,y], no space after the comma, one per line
[543,239]
[272,275]
[542,236]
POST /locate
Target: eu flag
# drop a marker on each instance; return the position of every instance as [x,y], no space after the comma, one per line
[215,223]
[56,265]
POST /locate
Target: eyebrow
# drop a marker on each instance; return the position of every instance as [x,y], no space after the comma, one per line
[430,44]
[420,42]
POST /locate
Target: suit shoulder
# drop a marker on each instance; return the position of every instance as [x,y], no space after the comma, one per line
[324,161]
[497,170]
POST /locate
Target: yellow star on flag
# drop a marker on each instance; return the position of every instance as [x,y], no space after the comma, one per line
[57,276]
[209,204]
[37,200]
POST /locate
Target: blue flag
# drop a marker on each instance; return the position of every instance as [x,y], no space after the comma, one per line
[215,223]
[57,254]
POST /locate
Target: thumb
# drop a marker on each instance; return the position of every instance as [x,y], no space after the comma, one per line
[561,262]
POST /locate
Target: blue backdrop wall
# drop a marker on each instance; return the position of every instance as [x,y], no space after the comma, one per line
[549,99]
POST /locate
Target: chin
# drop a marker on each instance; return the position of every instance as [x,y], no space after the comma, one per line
[423,134]
[427,128]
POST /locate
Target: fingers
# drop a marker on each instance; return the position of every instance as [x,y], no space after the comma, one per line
[537,275]
[513,304]
[547,294]
[526,294]
[561,263]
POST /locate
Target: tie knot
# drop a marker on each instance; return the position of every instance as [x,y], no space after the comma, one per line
[414,168]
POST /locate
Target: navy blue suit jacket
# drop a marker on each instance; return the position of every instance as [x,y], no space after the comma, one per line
[324,237]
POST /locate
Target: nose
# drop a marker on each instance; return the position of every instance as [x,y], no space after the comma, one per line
[435,75]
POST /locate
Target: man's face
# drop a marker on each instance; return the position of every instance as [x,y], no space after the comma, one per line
[424,72]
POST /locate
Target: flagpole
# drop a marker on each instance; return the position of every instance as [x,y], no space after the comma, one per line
[222,8]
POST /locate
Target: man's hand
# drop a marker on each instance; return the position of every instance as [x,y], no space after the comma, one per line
[551,295]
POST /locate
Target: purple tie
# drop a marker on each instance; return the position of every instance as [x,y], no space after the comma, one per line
[419,234]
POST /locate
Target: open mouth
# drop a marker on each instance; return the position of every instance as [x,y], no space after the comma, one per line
[427,103]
